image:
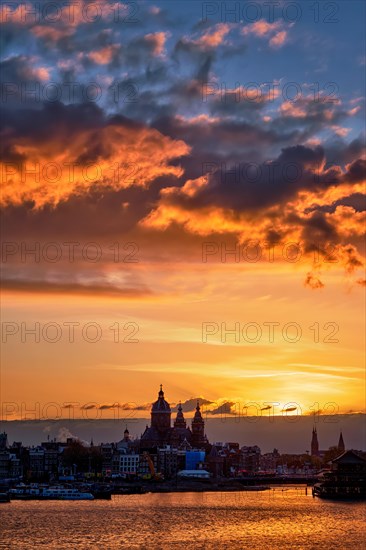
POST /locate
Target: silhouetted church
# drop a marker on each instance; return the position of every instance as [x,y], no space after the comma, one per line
[162,433]
[315,444]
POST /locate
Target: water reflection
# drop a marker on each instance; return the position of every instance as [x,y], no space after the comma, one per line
[282,518]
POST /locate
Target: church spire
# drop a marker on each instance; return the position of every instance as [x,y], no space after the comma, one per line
[180,422]
[341,446]
[197,414]
[314,443]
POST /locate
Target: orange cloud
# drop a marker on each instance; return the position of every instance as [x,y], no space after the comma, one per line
[115,156]
[104,55]
[263,29]
[330,232]
[212,38]
[278,39]
[51,34]
[157,40]
[340,131]
[290,109]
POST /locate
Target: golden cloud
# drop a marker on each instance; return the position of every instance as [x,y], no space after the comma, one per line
[116,156]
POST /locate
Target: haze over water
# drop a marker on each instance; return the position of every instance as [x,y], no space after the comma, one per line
[282,518]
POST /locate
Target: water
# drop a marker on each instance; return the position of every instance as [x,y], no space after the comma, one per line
[273,520]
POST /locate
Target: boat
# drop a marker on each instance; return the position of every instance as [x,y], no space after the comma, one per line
[39,492]
[62,493]
[24,492]
[345,481]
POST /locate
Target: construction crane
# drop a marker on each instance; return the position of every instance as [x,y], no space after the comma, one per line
[154,475]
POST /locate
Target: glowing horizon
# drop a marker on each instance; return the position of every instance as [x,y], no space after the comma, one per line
[197,220]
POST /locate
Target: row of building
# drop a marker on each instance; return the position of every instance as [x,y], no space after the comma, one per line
[164,449]
[53,459]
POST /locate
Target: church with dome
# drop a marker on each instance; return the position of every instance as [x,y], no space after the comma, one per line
[162,432]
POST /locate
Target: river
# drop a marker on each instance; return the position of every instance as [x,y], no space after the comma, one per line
[281,518]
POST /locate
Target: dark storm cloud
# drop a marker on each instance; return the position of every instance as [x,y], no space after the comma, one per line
[51,120]
[191,404]
[317,229]
[228,407]
[17,69]
[340,152]
[225,139]
[255,187]
[356,172]
[125,407]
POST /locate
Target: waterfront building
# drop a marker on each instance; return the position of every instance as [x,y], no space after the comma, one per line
[268,461]
[125,463]
[4,464]
[170,460]
[10,465]
[107,450]
[194,460]
[215,462]
[250,458]
[345,480]
[36,462]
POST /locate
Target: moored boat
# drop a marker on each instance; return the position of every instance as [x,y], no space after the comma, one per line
[35,492]
[62,493]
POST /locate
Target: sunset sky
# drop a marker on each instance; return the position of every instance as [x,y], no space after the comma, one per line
[138,151]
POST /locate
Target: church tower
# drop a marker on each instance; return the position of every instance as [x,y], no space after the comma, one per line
[341,446]
[198,428]
[161,414]
[314,443]
[180,422]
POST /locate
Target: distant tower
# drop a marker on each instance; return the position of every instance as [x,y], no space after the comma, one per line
[179,422]
[126,435]
[198,428]
[161,414]
[341,447]
[314,443]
